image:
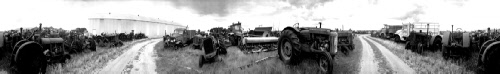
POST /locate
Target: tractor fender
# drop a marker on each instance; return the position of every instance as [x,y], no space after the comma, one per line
[485,45]
[434,38]
[466,39]
[17,45]
[489,50]
[334,42]
[295,30]
[446,38]
[23,48]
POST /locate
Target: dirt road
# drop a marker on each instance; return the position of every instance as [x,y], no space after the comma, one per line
[368,64]
[137,60]
[395,63]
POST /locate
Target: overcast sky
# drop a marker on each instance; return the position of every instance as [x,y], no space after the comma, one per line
[205,14]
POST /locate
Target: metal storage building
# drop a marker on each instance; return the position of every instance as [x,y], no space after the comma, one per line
[115,23]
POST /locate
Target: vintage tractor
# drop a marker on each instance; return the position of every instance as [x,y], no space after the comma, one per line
[213,45]
[489,54]
[420,41]
[456,44]
[345,41]
[32,50]
[308,42]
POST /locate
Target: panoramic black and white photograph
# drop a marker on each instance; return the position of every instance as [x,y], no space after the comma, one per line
[249,37]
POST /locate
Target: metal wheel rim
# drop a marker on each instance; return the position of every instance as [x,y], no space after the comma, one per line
[287,49]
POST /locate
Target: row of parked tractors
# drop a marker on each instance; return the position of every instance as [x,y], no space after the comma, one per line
[31,50]
[456,44]
[293,43]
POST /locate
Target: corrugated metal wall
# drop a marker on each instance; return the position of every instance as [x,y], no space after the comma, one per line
[151,29]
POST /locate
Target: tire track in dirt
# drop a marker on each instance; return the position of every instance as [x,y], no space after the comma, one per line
[136,60]
[368,64]
[397,65]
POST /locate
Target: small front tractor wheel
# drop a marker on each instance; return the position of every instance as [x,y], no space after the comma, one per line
[289,42]
[325,63]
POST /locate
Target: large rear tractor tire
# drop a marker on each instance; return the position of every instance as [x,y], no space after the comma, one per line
[29,59]
[288,43]
[492,63]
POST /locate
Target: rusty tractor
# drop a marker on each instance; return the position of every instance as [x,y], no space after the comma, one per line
[108,40]
[345,41]
[423,41]
[308,42]
[213,46]
[489,53]
[32,50]
[456,43]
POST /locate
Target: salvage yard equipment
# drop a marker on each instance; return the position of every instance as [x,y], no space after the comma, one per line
[213,46]
[180,38]
[456,44]
[345,41]
[419,41]
[32,50]
[308,42]
[388,32]
[489,56]
[259,39]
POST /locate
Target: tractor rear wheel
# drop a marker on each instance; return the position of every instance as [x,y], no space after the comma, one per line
[29,59]
[289,42]
[492,63]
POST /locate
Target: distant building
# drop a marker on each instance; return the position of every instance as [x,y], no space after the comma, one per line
[113,23]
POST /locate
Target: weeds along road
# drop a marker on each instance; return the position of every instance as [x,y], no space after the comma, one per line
[139,59]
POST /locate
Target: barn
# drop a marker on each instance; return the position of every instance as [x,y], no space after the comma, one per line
[119,23]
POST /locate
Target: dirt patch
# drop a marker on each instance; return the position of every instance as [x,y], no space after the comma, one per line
[86,63]
[430,63]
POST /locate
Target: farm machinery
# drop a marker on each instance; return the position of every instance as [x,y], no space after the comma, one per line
[308,42]
[490,51]
[257,40]
[31,50]
[213,45]
[419,41]
[77,41]
[181,38]
[345,41]
[108,40]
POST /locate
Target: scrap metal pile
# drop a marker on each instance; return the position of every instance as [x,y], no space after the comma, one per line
[260,39]
[454,44]
[33,49]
